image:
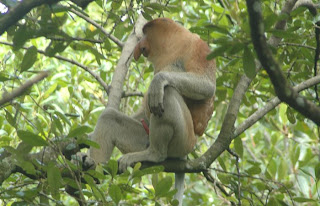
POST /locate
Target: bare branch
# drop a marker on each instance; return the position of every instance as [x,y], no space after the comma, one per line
[19,91]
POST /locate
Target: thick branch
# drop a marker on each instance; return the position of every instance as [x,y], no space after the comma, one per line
[19,11]
[19,91]
[123,64]
[282,87]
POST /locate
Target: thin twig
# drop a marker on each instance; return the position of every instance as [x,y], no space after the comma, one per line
[238,171]
[258,178]
[75,39]
[113,38]
[296,45]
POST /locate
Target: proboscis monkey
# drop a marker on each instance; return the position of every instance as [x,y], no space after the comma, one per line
[178,104]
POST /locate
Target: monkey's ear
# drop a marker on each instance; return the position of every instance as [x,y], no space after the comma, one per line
[137,52]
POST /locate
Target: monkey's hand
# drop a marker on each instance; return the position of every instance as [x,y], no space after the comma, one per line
[156,94]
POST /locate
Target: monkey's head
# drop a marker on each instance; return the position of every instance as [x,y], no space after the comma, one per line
[162,36]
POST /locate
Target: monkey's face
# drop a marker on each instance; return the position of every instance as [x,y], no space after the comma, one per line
[142,47]
[156,38]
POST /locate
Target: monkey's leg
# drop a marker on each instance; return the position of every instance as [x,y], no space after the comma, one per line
[117,129]
[171,135]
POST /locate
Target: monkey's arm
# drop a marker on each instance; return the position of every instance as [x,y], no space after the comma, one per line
[190,85]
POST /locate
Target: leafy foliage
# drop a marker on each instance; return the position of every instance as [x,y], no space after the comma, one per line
[279,155]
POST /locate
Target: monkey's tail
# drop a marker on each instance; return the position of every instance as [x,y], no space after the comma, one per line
[179,185]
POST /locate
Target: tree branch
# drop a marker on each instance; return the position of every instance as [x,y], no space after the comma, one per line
[19,11]
[270,106]
[19,91]
[123,64]
[282,87]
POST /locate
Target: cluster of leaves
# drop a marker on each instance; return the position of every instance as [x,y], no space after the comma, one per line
[279,163]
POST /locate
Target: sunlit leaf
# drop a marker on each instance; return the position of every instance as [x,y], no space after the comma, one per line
[163,187]
[80,130]
[31,138]
[54,179]
[115,193]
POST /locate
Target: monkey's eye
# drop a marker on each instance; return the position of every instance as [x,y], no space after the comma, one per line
[144,51]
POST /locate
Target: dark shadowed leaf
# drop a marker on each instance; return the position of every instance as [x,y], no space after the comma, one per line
[248,63]
[29,59]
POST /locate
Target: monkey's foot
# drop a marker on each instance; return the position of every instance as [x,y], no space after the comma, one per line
[128,160]
[84,160]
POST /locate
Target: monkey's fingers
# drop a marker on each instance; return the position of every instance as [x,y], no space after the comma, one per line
[158,110]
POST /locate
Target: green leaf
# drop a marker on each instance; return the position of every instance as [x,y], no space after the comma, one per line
[29,58]
[218,52]
[54,179]
[116,4]
[248,63]
[163,187]
[238,146]
[152,170]
[115,193]
[56,47]
[10,119]
[317,171]
[88,142]
[282,169]
[112,167]
[303,199]
[31,139]
[282,113]
[21,35]
[254,170]
[222,164]
[290,115]
[3,78]
[155,6]
[63,117]
[49,91]
[81,130]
